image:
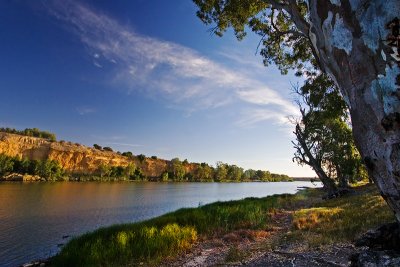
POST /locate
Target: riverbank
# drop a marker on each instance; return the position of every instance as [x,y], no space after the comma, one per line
[246,231]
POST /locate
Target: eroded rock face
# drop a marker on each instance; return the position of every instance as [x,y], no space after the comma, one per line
[75,158]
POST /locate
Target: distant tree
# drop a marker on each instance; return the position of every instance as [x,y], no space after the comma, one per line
[117,171]
[6,164]
[127,154]
[106,148]
[204,173]
[141,157]
[234,173]
[139,175]
[221,172]
[154,157]
[96,146]
[104,170]
[165,177]
[177,170]
[34,167]
[130,170]
[185,162]
[250,174]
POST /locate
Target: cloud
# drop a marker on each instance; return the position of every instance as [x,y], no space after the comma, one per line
[255,115]
[165,69]
[85,110]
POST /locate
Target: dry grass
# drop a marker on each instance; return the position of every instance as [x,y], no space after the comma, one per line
[340,219]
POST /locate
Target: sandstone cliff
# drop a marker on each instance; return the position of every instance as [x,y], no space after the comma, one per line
[76,158]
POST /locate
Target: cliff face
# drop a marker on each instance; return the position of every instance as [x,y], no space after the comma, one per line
[75,158]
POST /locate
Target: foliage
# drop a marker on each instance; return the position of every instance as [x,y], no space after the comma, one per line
[127,154]
[204,173]
[96,146]
[324,136]
[34,132]
[141,157]
[177,170]
[106,148]
[283,43]
[6,164]
[221,171]
[49,169]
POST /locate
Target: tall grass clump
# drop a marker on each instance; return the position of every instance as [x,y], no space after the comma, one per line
[119,245]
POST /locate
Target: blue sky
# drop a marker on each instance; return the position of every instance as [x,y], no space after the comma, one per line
[147,77]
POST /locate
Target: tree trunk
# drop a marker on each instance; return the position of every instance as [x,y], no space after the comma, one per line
[356,42]
[329,184]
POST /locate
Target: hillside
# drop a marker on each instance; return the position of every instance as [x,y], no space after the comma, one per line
[74,158]
[48,159]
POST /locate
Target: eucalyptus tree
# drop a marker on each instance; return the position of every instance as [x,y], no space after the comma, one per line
[355,42]
[324,138]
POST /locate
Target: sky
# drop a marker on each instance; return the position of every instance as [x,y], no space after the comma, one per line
[145,76]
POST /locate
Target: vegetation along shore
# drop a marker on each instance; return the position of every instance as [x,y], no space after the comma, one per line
[280,230]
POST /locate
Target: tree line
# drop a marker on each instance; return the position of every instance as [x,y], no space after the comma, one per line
[176,171]
[33,132]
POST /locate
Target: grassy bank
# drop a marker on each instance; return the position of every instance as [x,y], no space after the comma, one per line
[315,221]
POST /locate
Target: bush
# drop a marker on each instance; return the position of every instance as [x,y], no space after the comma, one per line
[96,146]
[127,154]
[141,157]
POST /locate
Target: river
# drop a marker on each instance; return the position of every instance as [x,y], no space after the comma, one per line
[35,218]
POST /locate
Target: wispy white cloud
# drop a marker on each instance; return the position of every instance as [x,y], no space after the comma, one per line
[85,110]
[166,69]
[255,115]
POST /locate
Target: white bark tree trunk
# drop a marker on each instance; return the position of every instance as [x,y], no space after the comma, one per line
[357,42]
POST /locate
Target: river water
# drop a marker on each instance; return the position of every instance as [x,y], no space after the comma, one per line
[35,218]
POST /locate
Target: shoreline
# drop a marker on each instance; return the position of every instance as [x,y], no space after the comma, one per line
[282,211]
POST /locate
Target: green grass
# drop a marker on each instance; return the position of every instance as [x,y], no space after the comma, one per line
[315,222]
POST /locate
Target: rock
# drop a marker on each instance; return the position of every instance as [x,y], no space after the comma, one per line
[370,258]
[385,237]
[383,247]
[15,177]
[32,178]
